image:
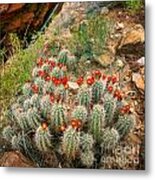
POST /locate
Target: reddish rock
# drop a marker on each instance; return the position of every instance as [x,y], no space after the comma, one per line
[15,159]
[24,17]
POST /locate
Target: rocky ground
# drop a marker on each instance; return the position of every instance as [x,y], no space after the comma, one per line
[124,56]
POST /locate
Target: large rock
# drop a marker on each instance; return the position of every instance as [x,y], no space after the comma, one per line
[15,159]
[24,17]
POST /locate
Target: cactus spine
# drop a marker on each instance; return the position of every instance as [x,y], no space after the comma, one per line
[33,118]
[80,113]
[22,120]
[97,91]
[58,116]
[43,139]
[8,133]
[86,142]
[45,105]
[125,124]
[71,142]
[87,158]
[97,122]
[84,97]
[27,89]
[63,56]
[110,138]
[110,107]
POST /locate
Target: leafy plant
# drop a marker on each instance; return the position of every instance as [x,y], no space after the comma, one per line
[134,5]
[90,37]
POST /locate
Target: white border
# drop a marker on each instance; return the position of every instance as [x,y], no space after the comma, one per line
[71,174]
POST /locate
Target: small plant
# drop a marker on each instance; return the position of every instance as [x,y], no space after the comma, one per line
[125,124]
[134,5]
[45,105]
[87,158]
[43,138]
[97,91]
[58,116]
[80,113]
[86,142]
[110,107]
[110,139]
[71,142]
[8,133]
[63,56]
[84,97]
[90,37]
[97,122]
[33,118]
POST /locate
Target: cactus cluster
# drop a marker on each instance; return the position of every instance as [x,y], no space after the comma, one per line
[45,117]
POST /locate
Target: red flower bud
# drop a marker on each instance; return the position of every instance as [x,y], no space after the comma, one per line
[90,80]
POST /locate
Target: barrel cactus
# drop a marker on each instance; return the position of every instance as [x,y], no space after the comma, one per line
[58,115]
[84,97]
[70,142]
[125,124]
[87,158]
[110,108]
[8,133]
[80,113]
[110,138]
[43,138]
[97,91]
[97,122]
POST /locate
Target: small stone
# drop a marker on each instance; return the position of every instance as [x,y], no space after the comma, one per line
[106,59]
[119,26]
[104,11]
[73,85]
[15,159]
[138,80]
[119,63]
[141,61]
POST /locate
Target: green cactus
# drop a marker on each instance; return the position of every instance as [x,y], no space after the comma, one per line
[63,56]
[40,83]
[48,87]
[57,72]
[70,142]
[35,72]
[22,120]
[27,104]
[71,63]
[45,105]
[97,122]
[58,115]
[8,133]
[46,67]
[87,158]
[15,141]
[110,138]
[125,124]
[80,113]
[60,92]
[33,118]
[84,97]
[86,142]
[35,100]
[43,139]
[23,143]
[97,91]
[110,108]
[27,91]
